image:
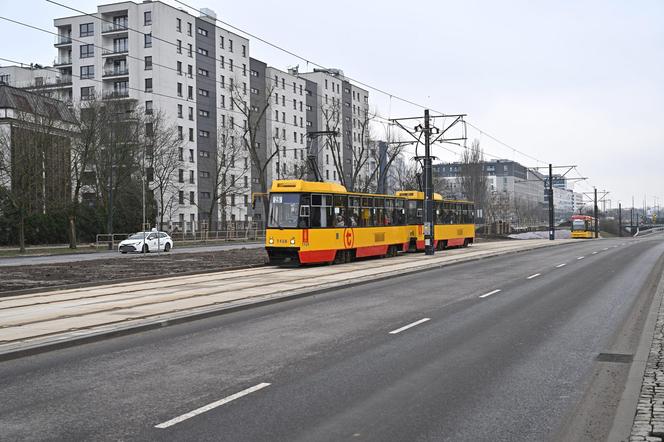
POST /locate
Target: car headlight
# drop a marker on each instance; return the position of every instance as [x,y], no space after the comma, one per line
[292,241]
[271,241]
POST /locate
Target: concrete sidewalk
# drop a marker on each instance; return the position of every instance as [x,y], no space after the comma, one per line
[38,322]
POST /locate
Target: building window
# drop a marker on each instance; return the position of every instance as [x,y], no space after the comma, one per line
[181,175]
[204,134]
[147,18]
[180,134]
[87,51]
[190,50]
[87,72]
[87,93]
[191,113]
[191,177]
[253,73]
[204,153]
[179,47]
[190,71]
[191,155]
[204,174]
[178,25]
[181,197]
[87,29]
[203,92]
[148,40]
[254,91]
[179,89]
[189,29]
[230,45]
[203,32]
[222,103]
[191,134]
[148,63]
[179,111]
[203,113]
[192,197]
[178,67]
[203,72]
[190,92]
[202,51]
[148,108]
[148,85]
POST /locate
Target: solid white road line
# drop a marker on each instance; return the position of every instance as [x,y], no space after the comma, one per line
[560,265]
[594,253]
[209,407]
[580,257]
[490,293]
[406,327]
[533,276]
[605,249]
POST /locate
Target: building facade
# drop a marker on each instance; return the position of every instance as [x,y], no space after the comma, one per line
[185,67]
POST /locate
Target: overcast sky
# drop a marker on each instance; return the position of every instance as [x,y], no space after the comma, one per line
[568,82]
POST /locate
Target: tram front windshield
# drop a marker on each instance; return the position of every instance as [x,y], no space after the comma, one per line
[579,224]
[284,210]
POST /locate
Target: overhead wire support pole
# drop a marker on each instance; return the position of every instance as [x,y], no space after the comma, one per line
[427,130]
[552,232]
[596,220]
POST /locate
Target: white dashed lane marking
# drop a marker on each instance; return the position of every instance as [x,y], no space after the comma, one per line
[490,293]
[534,276]
[212,405]
[412,324]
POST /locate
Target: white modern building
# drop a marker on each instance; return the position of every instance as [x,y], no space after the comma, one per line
[161,58]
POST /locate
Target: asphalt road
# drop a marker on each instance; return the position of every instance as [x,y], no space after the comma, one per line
[88,256]
[475,364]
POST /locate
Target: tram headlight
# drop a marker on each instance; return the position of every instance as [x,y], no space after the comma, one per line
[271,241]
[292,241]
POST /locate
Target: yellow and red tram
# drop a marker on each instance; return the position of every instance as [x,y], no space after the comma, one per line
[320,222]
[583,226]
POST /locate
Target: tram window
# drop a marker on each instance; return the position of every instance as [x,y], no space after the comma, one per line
[322,213]
[389,212]
[462,213]
[353,210]
[340,210]
[399,213]
[379,212]
[305,211]
[452,215]
[471,213]
[438,208]
[366,218]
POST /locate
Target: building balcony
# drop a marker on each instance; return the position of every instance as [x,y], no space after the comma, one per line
[115,72]
[62,61]
[115,52]
[62,40]
[116,94]
[114,28]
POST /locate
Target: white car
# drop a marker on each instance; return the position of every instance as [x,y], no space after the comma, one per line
[146,242]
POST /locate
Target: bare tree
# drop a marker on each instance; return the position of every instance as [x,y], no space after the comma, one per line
[472,177]
[253,118]
[231,166]
[34,160]
[163,156]
[406,175]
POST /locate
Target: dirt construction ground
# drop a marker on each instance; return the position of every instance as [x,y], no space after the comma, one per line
[34,277]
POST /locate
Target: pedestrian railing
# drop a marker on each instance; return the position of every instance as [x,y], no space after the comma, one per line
[109,240]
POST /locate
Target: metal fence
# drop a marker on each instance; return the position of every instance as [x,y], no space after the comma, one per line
[103,239]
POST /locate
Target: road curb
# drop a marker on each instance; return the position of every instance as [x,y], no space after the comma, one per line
[56,342]
[627,406]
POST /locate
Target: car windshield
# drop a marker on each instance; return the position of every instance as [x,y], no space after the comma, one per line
[139,235]
[284,210]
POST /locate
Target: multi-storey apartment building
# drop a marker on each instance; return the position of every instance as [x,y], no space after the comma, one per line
[163,59]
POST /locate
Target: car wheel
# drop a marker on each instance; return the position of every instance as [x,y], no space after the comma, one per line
[124,253]
[145,248]
[167,247]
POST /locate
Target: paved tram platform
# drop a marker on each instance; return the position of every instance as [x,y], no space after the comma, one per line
[38,322]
